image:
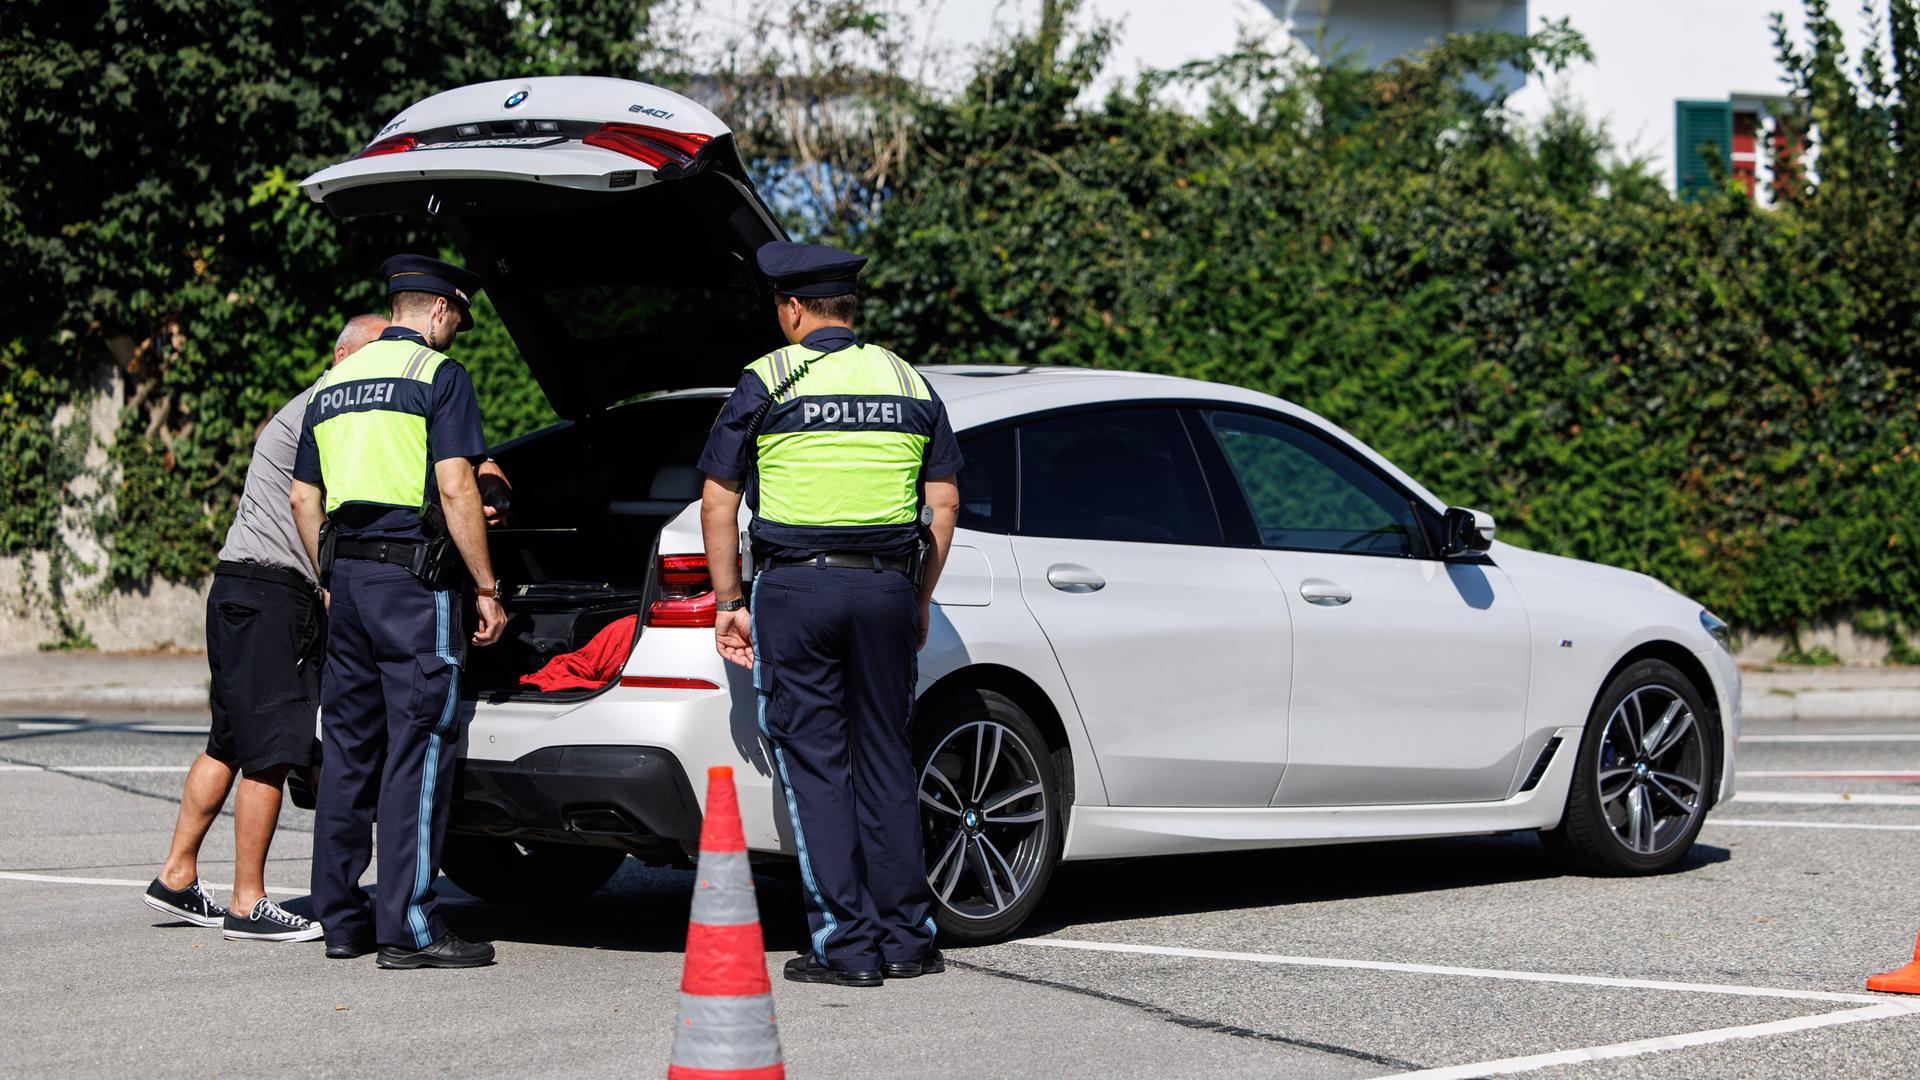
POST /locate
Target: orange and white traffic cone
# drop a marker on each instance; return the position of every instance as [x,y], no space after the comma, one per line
[1904,980]
[726,1029]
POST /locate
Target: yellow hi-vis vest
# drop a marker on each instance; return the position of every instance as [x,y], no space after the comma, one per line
[369,418]
[843,445]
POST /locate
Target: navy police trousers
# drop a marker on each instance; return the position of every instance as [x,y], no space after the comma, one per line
[389,711]
[835,663]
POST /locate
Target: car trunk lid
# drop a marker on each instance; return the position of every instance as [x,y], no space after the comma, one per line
[614,223]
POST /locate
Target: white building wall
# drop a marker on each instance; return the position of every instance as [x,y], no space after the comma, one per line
[1650,53]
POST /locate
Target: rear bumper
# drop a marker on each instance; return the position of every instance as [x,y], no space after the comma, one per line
[636,798]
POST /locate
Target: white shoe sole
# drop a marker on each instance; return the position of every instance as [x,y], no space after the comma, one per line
[309,934]
[182,913]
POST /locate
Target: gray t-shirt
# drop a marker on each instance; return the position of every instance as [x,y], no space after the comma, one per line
[263,532]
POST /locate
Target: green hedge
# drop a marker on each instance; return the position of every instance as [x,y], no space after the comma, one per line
[1717,394]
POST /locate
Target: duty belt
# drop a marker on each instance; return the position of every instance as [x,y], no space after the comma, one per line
[392,552]
[852,560]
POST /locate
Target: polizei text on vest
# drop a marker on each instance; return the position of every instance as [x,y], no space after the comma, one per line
[353,394]
[850,411]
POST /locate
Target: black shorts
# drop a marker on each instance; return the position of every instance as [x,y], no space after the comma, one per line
[266,638]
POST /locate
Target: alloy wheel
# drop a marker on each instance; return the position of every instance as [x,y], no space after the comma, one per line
[984,812]
[1651,771]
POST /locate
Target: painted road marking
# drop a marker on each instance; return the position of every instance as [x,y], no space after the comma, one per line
[1436,969]
[54,879]
[1831,774]
[1810,825]
[1886,1010]
[1825,798]
[1848,737]
[150,729]
[95,768]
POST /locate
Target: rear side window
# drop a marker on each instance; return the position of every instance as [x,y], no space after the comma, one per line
[1125,474]
[987,481]
[1309,495]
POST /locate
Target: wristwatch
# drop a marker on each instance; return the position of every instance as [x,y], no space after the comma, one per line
[734,604]
[491,592]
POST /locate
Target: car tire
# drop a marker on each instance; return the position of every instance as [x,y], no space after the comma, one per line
[993,840]
[528,872]
[1645,775]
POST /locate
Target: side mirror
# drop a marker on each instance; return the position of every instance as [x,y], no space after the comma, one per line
[1466,532]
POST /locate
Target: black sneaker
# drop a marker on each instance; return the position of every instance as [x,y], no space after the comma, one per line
[809,969]
[191,904]
[269,921]
[448,952]
[933,963]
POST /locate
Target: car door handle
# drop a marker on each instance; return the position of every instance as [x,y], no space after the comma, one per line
[1324,593]
[1074,579]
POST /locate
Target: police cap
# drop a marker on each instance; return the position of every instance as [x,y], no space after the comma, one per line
[418,273]
[808,269]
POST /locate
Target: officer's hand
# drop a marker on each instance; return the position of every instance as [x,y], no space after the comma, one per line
[733,636]
[926,615]
[493,619]
[496,493]
[326,600]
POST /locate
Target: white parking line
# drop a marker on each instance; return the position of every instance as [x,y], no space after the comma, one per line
[1884,1011]
[95,768]
[1891,775]
[1905,736]
[54,879]
[1825,798]
[1810,824]
[149,729]
[1436,969]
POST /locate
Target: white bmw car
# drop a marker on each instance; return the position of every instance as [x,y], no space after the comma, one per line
[1178,616]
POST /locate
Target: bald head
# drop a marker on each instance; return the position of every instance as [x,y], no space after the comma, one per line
[359,330]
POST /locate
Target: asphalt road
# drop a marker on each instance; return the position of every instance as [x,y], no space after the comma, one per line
[1360,960]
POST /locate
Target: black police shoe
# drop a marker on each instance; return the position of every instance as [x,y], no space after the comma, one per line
[809,969]
[269,921]
[191,904]
[933,963]
[448,952]
[350,949]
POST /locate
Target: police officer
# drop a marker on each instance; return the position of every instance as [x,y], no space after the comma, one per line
[266,628]
[850,464]
[392,437]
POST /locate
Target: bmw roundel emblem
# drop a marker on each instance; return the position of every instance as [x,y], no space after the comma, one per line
[518,97]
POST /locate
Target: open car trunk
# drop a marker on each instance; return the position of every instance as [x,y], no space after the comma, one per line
[579,550]
[615,225]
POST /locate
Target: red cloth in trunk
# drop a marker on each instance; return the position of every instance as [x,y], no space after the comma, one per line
[589,668]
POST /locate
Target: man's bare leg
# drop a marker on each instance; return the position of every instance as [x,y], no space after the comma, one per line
[256,813]
[208,780]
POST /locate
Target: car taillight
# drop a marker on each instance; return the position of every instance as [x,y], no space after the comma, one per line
[392,144]
[654,146]
[686,593]
[667,682]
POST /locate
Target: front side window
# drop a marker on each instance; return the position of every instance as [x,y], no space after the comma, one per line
[986,481]
[1310,495]
[1122,474]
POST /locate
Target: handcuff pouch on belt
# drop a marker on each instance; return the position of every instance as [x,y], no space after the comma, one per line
[437,561]
[329,536]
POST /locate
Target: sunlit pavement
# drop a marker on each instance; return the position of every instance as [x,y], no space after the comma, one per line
[1471,956]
